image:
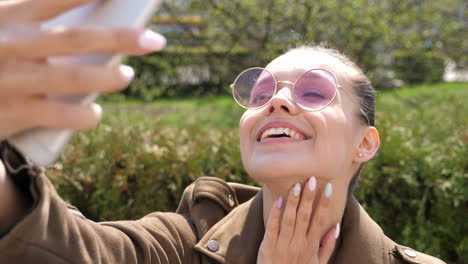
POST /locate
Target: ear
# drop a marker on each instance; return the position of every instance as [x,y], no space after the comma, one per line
[369,145]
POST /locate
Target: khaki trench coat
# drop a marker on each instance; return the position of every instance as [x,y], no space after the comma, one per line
[216,222]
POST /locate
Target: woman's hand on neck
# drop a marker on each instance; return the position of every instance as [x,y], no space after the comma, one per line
[272,191]
[301,225]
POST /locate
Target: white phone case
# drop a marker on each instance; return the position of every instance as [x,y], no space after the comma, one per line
[43,146]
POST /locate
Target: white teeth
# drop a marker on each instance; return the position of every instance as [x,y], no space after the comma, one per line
[272,131]
[281,130]
[266,133]
[298,136]
[293,134]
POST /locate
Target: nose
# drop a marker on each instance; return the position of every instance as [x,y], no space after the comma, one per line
[283,101]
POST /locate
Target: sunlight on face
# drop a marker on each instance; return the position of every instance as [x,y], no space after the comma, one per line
[322,143]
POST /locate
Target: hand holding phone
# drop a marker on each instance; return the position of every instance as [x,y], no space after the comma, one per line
[66,85]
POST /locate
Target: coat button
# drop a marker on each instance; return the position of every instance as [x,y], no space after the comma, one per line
[410,253]
[231,200]
[213,245]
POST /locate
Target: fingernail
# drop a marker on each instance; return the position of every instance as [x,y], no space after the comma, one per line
[127,72]
[279,202]
[297,189]
[328,190]
[312,183]
[97,109]
[150,40]
[337,231]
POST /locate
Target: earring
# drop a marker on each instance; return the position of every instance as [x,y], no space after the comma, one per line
[360,155]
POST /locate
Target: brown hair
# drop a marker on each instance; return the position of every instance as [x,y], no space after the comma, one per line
[362,88]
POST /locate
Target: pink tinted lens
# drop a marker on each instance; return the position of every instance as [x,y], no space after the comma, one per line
[315,89]
[254,88]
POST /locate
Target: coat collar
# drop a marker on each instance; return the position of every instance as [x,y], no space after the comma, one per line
[361,239]
[240,234]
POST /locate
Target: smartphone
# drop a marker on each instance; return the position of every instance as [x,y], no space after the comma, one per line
[43,146]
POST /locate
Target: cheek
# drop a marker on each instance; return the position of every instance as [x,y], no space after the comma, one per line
[245,127]
[336,139]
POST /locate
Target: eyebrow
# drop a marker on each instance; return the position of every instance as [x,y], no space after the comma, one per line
[263,80]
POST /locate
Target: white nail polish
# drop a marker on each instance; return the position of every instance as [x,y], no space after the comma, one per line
[297,189]
[312,183]
[149,40]
[97,109]
[328,190]
[127,72]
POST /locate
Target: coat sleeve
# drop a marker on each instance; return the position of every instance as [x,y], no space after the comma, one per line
[54,232]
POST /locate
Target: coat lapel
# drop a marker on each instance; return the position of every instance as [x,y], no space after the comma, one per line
[361,239]
[238,235]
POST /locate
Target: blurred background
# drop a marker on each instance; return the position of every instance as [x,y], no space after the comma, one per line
[177,120]
[396,42]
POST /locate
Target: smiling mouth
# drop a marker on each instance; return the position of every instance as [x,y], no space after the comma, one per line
[281,132]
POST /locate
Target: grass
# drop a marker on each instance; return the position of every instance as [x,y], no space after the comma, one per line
[222,112]
[213,112]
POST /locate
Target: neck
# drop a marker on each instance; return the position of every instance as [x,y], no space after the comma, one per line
[272,191]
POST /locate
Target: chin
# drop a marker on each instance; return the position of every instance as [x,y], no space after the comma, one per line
[277,167]
[280,168]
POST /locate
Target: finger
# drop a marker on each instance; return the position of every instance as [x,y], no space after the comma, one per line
[320,216]
[23,79]
[273,225]
[305,208]
[289,216]
[37,112]
[71,116]
[328,244]
[7,9]
[39,10]
[62,42]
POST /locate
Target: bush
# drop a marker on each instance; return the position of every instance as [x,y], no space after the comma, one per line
[179,72]
[142,157]
[416,185]
[419,67]
[186,72]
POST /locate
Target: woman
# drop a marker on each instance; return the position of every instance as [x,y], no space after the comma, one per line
[307,130]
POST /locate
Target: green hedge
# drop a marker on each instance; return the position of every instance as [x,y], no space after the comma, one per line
[419,67]
[142,157]
[179,72]
[188,71]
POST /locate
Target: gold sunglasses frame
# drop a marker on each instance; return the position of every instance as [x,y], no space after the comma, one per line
[289,83]
[338,86]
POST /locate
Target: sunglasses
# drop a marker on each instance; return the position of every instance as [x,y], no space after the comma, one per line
[313,91]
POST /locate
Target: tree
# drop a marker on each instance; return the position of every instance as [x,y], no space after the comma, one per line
[237,34]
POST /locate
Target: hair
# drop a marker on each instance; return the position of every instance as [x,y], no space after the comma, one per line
[363,89]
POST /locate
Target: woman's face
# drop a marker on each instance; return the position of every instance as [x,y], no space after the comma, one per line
[327,140]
